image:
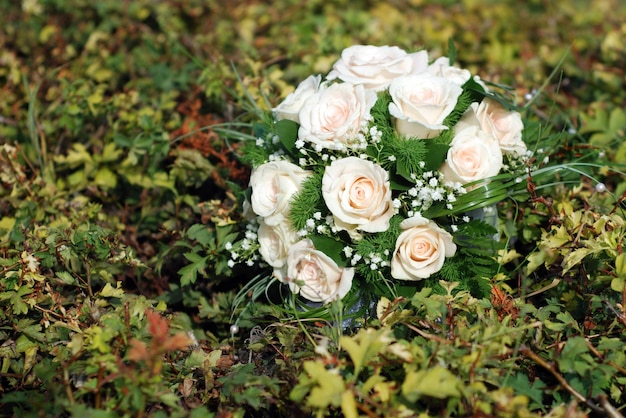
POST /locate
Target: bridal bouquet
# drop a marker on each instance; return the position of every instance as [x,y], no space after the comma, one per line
[380,175]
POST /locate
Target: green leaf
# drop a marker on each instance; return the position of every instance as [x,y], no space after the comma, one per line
[66,277]
[569,358]
[189,273]
[287,131]
[435,155]
[364,346]
[437,382]
[534,390]
[330,386]
[109,291]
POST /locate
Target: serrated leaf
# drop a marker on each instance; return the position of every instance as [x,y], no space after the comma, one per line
[329,386]
[189,273]
[364,346]
[109,291]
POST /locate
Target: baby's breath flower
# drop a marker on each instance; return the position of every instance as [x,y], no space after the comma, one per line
[454,228]
[322,229]
[466,219]
[317,216]
[260,142]
[391,158]
[228,246]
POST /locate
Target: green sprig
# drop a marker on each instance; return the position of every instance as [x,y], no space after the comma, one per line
[307,201]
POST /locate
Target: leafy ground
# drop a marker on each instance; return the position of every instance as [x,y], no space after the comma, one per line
[117,198]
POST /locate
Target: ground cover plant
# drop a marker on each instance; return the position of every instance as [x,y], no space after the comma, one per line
[121,130]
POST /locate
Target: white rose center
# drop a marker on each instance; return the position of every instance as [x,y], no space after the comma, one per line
[362,193]
[422,249]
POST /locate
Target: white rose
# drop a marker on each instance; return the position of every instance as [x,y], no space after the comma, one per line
[506,126]
[358,194]
[333,118]
[442,68]
[290,107]
[376,66]
[275,242]
[273,185]
[473,155]
[314,275]
[420,249]
[421,103]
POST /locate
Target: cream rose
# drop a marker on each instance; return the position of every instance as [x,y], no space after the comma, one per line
[421,249]
[273,185]
[275,242]
[376,66]
[473,155]
[358,194]
[314,275]
[506,126]
[421,103]
[333,117]
[442,68]
[290,107]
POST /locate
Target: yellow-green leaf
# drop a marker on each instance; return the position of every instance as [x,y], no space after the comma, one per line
[109,291]
[437,382]
[348,405]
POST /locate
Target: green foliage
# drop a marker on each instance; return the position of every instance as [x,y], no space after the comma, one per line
[307,201]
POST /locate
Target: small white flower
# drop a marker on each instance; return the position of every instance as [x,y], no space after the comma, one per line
[422,164]
[228,246]
[250,263]
[299,144]
[454,228]
[310,223]
[466,219]
[392,158]
[231,263]
[348,251]
[275,139]
[234,255]
[260,142]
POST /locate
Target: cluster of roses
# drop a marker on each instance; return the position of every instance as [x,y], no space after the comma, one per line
[334,128]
